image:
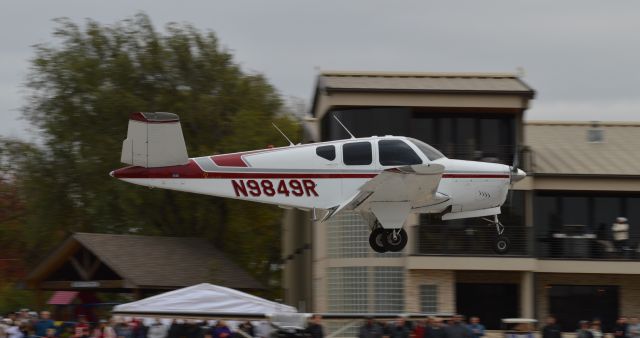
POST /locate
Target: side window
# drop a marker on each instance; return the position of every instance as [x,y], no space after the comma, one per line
[326,152]
[357,153]
[396,152]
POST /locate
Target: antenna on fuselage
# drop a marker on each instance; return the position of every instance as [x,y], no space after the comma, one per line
[283,135]
[345,128]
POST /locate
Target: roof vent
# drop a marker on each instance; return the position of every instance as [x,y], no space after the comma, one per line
[595,134]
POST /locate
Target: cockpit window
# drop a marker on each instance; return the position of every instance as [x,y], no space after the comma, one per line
[397,152]
[430,152]
[357,153]
[326,152]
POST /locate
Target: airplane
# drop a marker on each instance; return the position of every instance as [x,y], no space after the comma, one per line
[383,178]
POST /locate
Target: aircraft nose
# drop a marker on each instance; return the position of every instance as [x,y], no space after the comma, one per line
[517,175]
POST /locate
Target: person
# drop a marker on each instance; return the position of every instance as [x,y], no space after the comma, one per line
[263,330]
[435,329]
[370,329]
[477,329]
[157,329]
[67,332]
[418,330]
[123,330]
[457,329]
[633,330]
[220,330]
[399,329]
[3,327]
[620,329]
[584,330]
[138,329]
[596,328]
[82,327]
[13,331]
[247,328]
[620,230]
[104,330]
[315,329]
[51,333]
[44,323]
[551,329]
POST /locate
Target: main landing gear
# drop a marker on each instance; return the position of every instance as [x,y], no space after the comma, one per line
[501,243]
[382,240]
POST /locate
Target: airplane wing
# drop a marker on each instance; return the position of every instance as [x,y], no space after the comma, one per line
[395,192]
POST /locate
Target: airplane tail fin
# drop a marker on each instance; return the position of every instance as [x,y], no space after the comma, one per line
[154,140]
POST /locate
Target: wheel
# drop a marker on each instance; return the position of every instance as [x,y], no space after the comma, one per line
[394,242]
[501,245]
[376,240]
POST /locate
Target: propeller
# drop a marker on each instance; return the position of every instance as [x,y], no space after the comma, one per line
[515,174]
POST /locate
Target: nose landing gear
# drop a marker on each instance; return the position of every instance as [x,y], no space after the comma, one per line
[501,243]
[382,240]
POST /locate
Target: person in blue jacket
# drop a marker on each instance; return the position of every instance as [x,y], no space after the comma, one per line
[477,329]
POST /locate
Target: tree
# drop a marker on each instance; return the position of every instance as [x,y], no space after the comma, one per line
[81,92]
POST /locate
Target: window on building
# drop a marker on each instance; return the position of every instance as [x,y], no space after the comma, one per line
[595,135]
[572,303]
[327,152]
[490,301]
[357,153]
[361,289]
[389,289]
[397,152]
[347,289]
[348,236]
[428,298]
[575,210]
[463,134]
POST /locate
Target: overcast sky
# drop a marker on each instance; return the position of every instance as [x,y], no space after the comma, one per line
[582,57]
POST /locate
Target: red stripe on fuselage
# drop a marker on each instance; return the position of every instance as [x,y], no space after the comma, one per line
[191,170]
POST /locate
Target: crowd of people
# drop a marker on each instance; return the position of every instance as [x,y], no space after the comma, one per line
[432,327]
[623,328]
[26,324]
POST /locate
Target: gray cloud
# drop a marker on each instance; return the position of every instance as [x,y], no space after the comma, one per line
[581,56]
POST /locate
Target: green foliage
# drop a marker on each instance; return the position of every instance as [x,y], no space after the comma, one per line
[13,299]
[81,92]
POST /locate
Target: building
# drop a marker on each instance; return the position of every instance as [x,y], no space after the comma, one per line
[89,269]
[563,260]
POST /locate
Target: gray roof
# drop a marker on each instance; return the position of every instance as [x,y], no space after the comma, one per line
[562,148]
[162,262]
[506,83]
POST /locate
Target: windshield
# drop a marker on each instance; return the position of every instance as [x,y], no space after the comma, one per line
[430,152]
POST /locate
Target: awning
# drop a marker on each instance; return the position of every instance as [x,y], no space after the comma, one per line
[62,297]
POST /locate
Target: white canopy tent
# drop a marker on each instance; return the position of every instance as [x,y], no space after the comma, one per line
[203,301]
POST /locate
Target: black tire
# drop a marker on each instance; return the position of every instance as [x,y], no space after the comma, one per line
[501,245]
[395,243]
[376,240]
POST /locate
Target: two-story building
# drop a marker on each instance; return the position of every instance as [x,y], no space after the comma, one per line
[563,258]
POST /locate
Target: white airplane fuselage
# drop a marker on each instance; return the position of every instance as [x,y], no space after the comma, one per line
[297,177]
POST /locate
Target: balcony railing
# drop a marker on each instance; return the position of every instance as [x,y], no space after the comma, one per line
[470,240]
[561,245]
[473,240]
